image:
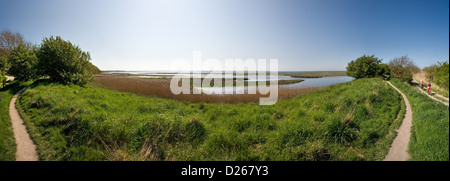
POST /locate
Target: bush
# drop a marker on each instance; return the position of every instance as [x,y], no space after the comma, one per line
[366,67]
[93,69]
[63,62]
[429,72]
[23,63]
[384,71]
[441,74]
[402,68]
[2,78]
[8,42]
[3,67]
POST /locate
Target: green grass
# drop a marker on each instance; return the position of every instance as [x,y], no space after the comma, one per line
[441,92]
[7,141]
[441,99]
[350,121]
[430,131]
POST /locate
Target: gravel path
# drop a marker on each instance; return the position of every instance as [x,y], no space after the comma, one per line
[399,147]
[26,149]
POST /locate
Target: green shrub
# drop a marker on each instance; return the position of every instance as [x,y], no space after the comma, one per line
[93,69]
[403,68]
[64,62]
[2,79]
[429,72]
[23,63]
[366,67]
[441,74]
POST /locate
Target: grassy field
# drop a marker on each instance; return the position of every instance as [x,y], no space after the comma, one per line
[350,121]
[7,142]
[430,132]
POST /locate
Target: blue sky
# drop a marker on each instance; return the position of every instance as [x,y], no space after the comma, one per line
[303,34]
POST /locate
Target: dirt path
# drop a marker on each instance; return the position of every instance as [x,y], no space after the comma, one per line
[399,147]
[26,149]
[436,99]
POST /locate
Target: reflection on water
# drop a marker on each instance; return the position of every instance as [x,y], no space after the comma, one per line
[320,82]
[308,82]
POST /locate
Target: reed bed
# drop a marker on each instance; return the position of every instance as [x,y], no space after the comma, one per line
[161,88]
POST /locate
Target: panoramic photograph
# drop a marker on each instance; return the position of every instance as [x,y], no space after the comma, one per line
[258,81]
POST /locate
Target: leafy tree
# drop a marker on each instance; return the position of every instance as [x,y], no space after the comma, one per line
[2,71]
[8,41]
[63,62]
[2,79]
[93,69]
[366,67]
[402,68]
[23,63]
[441,74]
[383,70]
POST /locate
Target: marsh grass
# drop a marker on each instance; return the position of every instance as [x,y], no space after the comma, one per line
[161,88]
[350,121]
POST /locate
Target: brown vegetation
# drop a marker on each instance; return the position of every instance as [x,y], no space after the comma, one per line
[161,88]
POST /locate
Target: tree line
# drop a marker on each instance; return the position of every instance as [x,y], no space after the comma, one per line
[402,68]
[56,59]
[439,74]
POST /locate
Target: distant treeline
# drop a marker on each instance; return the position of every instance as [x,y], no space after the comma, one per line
[402,68]
[439,74]
[55,58]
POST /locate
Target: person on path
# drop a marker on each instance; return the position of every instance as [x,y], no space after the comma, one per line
[429,88]
[421,85]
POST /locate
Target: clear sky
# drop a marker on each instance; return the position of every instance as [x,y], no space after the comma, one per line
[303,34]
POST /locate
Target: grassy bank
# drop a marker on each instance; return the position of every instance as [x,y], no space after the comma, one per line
[430,132]
[7,141]
[350,121]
